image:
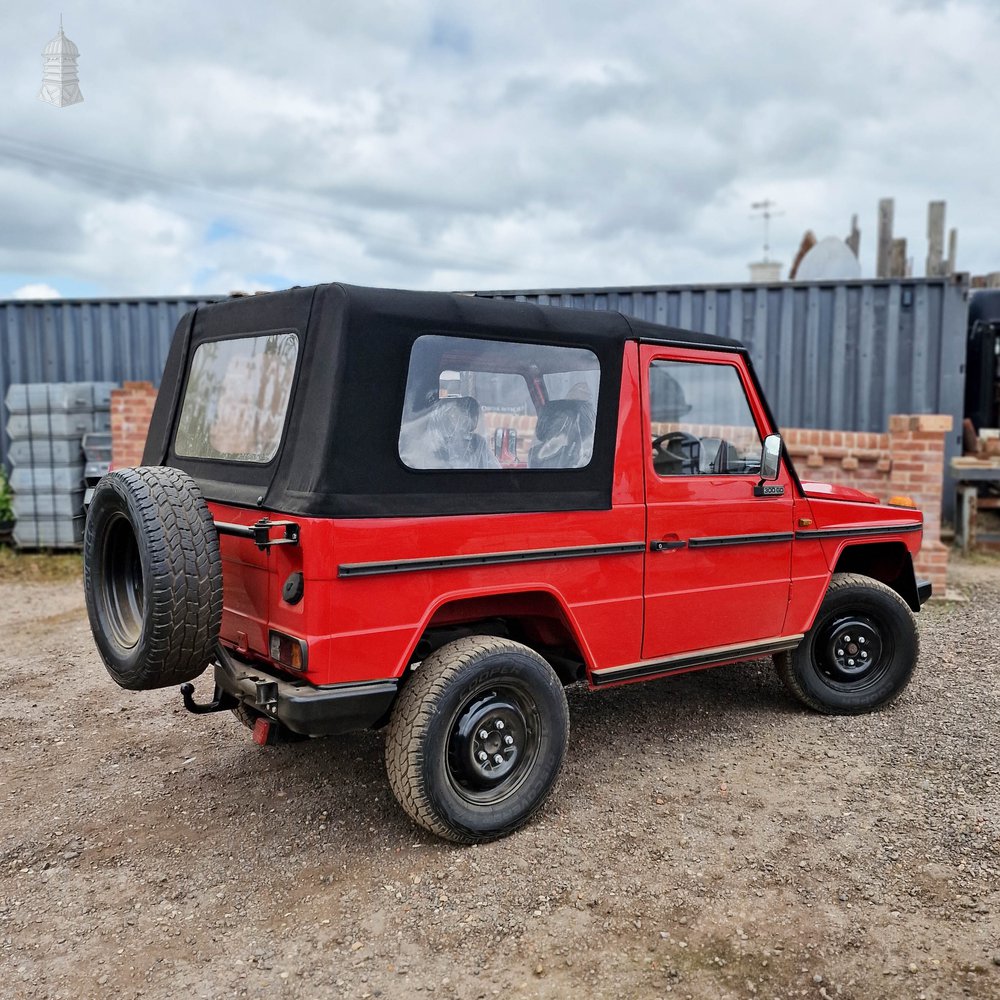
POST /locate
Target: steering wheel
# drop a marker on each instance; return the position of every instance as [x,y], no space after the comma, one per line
[677,448]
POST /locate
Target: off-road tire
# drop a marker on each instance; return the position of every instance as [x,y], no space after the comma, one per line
[422,733]
[853,603]
[152,577]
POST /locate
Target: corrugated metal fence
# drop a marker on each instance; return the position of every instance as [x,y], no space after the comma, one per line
[841,355]
[87,340]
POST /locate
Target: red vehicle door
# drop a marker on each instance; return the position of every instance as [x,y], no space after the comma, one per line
[718,557]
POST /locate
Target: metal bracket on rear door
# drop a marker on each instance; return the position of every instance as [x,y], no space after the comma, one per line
[260,533]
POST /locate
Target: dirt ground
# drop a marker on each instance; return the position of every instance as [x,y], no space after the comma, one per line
[708,839]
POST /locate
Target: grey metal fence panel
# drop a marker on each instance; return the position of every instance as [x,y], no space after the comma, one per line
[842,355]
[86,340]
[836,355]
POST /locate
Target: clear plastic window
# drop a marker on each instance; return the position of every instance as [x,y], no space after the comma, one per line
[701,421]
[237,397]
[490,405]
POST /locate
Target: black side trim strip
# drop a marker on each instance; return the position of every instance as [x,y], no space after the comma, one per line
[487,559]
[685,661]
[716,540]
[878,529]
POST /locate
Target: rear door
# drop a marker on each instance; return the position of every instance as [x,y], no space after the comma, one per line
[231,424]
[718,557]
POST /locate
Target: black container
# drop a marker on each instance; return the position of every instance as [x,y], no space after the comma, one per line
[982,378]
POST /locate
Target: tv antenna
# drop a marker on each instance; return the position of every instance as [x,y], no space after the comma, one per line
[766,210]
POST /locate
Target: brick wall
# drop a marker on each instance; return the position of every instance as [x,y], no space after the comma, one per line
[131,411]
[908,459]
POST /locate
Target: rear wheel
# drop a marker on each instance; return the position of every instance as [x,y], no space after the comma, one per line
[860,653]
[477,739]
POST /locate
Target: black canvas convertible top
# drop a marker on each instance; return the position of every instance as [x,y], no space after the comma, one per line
[339,453]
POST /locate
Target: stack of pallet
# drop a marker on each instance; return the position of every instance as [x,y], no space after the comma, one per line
[97,455]
[46,424]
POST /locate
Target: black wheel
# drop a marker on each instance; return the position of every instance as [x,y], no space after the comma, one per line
[477,739]
[859,654]
[152,577]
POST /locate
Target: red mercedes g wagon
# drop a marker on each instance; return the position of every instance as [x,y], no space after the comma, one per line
[433,512]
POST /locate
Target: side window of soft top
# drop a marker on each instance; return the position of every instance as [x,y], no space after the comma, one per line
[487,405]
[701,421]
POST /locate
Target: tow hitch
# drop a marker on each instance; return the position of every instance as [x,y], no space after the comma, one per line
[222,701]
[266,732]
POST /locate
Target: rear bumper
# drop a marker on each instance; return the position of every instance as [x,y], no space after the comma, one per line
[302,707]
[923,591]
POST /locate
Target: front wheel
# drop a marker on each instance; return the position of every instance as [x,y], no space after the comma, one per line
[477,739]
[860,652]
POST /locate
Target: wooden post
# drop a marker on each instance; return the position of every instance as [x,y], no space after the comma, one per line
[966,526]
[854,239]
[952,246]
[884,251]
[897,259]
[808,242]
[935,239]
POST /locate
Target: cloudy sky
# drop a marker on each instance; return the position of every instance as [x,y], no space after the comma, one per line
[480,145]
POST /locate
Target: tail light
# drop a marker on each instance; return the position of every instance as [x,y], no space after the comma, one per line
[288,651]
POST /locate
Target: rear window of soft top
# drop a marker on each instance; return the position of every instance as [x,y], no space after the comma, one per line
[236,398]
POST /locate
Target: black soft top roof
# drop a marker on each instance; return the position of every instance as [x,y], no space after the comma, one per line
[339,453]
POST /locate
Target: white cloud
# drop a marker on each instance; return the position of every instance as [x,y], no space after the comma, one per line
[515,145]
[39,291]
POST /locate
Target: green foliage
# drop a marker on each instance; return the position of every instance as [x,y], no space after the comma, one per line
[6,498]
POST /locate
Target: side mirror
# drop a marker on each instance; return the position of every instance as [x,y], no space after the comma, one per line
[770,459]
[770,464]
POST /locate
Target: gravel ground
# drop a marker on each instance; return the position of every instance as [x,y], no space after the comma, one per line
[708,839]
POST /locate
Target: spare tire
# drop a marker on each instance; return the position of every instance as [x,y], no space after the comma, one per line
[152,575]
